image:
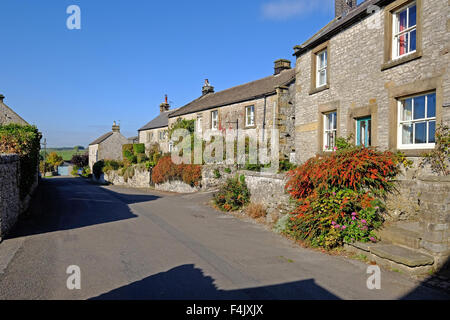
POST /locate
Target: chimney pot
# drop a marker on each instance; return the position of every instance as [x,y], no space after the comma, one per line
[207,88]
[165,106]
[280,65]
[343,7]
[115,127]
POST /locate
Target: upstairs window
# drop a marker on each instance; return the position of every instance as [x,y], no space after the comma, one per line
[214,120]
[404,31]
[321,68]
[417,122]
[250,116]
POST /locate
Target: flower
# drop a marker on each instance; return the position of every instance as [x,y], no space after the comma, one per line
[354,213]
[333,223]
[363,221]
[373,239]
[335,148]
[344,227]
[334,193]
[353,218]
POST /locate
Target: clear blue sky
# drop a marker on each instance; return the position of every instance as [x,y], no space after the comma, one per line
[73,84]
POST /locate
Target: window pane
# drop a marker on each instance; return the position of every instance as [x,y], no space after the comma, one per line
[420,132]
[402,20]
[419,107]
[412,16]
[412,40]
[322,78]
[407,136]
[407,110]
[431,105]
[334,116]
[402,44]
[432,132]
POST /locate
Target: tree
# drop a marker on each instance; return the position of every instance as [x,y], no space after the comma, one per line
[55,160]
[80,160]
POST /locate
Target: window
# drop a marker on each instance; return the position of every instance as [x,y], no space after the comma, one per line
[330,129]
[199,124]
[163,135]
[364,131]
[214,120]
[149,136]
[417,122]
[404,31]
[250,116]
[321,68]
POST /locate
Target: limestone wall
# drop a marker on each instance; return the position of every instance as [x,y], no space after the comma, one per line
[11,206]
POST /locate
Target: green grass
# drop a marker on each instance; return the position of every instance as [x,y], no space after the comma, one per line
[65,153]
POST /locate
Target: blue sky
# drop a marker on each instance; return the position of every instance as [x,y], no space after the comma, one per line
[128,54]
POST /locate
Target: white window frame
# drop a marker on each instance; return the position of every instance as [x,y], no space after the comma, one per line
[400,124]
[320,69]
[215,120]
[252,116]
[396,34]
[326,131]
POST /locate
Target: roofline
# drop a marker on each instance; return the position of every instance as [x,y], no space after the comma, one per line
[267,94]
[141,129]
[301,49]
[10,109]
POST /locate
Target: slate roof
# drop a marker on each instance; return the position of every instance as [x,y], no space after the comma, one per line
[160,121]
[245,92]
[339,24]
[101,139]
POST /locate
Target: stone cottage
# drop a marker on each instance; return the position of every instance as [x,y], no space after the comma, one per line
[379,72]
[156,132]
[7,115]
[107,147]
[261,104]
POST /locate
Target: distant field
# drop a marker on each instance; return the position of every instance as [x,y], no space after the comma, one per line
[65,153]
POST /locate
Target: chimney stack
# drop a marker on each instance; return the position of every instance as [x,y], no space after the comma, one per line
[343,7]
[2,97]
[115,127]
[207,88]
[281,64]
[165,106]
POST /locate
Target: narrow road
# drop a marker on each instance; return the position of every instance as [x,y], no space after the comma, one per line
[137,244]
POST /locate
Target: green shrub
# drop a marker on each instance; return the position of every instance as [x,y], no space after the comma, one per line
[138,148]
[227,170]
[24,141]
[233,195]
[111,165]
[217,174]
[141,158]
[98,169]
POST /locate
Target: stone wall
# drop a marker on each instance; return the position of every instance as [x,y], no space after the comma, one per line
[142,178]
[11,206]
[266,189]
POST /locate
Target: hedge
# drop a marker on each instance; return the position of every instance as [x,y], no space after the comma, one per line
[23,140]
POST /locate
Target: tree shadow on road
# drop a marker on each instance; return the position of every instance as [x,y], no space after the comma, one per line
[187,282]
[70,203]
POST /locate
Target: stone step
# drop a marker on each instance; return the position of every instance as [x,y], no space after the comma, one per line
[406,235]
[395,257]
[401,255]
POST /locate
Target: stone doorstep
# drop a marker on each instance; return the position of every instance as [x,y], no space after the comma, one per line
[401,236]
[401,255]
[394,257]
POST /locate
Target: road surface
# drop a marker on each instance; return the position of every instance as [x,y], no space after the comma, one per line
[140,244]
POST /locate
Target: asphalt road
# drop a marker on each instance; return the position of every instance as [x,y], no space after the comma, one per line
[138,244]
